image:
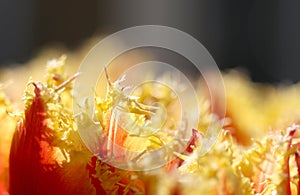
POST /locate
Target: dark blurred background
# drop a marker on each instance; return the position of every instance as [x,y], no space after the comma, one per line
[260,36]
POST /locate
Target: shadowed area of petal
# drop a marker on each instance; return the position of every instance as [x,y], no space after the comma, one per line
[27,174]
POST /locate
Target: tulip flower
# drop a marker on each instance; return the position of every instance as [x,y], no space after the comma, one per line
[42,152]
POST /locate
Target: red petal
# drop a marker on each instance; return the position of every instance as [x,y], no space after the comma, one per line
[196,135]
[29,150]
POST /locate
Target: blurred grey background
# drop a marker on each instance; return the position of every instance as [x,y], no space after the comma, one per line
[260,36]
